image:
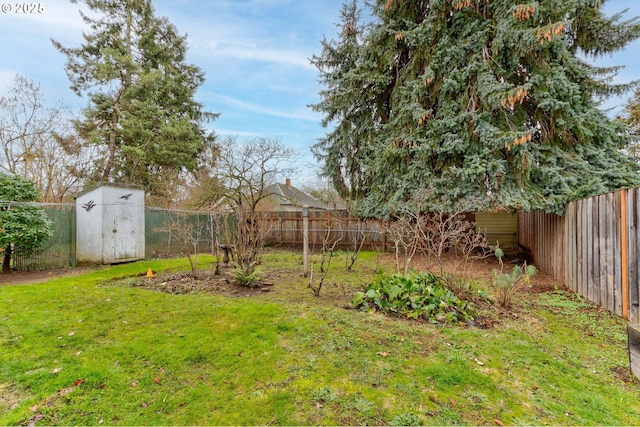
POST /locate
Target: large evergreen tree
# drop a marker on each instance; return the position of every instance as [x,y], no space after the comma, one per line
[344,149]
[631,118]
[486,103]
[141,94]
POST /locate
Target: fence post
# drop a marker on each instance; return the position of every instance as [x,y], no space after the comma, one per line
[305,238]
[624,259]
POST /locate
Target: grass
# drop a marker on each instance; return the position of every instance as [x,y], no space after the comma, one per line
[87,350]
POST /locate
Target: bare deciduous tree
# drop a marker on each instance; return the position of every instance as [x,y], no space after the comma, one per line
[245,171]
[35,143]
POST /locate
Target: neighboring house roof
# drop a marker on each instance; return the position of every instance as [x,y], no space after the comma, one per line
[282,198]
[289,198]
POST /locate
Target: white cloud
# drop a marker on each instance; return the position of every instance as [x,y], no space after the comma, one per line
[250,51]
[305,115]
[234,132]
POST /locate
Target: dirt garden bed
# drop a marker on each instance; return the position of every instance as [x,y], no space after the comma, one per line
[283,281]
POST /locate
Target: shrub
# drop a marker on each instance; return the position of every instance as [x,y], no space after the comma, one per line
[507,284]
[246,277]
[415,296]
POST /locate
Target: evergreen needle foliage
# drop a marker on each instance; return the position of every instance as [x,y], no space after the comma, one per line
[485,103]
[140,91]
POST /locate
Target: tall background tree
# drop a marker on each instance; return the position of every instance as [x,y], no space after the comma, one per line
[142,112]
[31,132]
[22,226]
[630,117]
[484,103]
[344,102]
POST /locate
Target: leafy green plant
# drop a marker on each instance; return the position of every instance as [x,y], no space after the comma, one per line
[246,276]
[22,226]
[406,420]
[415,296]
[324,395]
[508,284]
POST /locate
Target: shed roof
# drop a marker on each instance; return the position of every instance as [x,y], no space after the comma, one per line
[109,184]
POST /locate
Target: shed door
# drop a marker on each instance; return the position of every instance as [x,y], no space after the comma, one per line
[124,239]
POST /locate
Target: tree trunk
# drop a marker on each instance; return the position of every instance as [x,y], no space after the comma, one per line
[6,263]
[113,137]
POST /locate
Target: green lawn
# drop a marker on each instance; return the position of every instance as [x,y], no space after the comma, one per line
[87,350]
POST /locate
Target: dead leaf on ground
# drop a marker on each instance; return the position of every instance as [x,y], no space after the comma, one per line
[383,353]
[65,391]
[34,420]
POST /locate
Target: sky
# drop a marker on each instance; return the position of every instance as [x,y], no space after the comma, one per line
[255,55]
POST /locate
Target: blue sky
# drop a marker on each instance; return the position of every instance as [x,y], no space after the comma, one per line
[255,54]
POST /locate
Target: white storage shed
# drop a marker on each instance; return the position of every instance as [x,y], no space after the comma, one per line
[110,225]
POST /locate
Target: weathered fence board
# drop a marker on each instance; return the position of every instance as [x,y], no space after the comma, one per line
[593,248]
[633,333]
[633,224]
[537,230]
[333,226]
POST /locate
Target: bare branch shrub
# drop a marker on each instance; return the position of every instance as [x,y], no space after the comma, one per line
[357,242]
[246,170]
[405,234]
[188,233]
[436,232]
[442,232]
[326,255]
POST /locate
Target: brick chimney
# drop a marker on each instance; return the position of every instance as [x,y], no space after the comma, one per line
[288,182]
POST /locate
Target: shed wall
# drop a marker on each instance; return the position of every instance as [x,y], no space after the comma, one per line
[499,227]
[110,225]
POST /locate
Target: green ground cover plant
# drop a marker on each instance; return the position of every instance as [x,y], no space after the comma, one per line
[415,296]
[94,350]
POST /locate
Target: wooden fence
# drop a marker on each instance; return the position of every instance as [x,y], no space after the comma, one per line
[593,249]
[285,228]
